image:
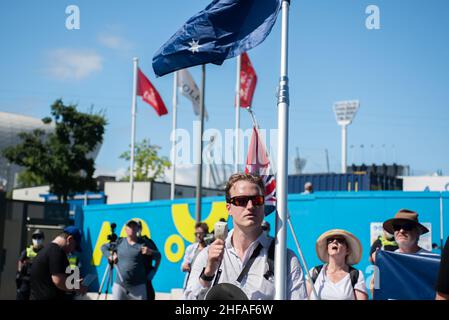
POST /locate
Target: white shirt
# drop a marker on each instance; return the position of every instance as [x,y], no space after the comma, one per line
[342,290]
[190,253]
[255,286]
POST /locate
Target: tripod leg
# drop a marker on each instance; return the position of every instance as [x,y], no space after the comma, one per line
[301,256]
[106,272]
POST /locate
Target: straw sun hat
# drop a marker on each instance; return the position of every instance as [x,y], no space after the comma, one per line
[354,246]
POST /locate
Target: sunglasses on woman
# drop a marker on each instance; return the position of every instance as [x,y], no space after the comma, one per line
[242,201]
[339,240]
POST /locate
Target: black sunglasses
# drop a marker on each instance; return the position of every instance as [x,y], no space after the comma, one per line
[405,227]
[200,233]
[339,240]
[242,201]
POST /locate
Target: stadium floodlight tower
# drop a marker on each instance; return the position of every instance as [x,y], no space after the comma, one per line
[344,113]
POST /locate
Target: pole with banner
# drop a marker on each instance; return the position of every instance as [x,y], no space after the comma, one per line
[199,183]
[280,253]
[237,115]
[173,151]
[133,129]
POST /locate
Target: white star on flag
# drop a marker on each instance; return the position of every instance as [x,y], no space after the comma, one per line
[194,46]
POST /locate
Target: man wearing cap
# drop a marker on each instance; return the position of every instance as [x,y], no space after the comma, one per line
[244,258]
[130,255]
[51,269]
[24,265]
[406,230]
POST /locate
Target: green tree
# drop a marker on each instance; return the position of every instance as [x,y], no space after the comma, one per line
[27,179]
[61,157]
[148,166]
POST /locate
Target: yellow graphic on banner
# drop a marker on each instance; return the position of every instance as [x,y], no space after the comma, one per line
[174,256]
[101,240]
[185,224]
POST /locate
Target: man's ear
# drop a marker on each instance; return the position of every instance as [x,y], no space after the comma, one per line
[228,207]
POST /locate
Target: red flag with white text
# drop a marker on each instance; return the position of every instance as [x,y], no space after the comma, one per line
[248,81]
[149,94]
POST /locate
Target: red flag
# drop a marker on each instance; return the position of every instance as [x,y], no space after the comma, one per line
[149,93]
[258,164]
[248,81]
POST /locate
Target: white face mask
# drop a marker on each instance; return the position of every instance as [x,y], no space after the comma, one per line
[37,242]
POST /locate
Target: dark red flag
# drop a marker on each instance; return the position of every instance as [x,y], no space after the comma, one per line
[149,93]
[248,81]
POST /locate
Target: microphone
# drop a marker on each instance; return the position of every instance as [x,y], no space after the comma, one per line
[221,230]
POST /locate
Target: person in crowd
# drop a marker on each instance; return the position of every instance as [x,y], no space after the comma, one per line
[383,242]
[245,258]
[266,227]
[308,188]
[406,230]
[50,269]
[192,251]
[442,287]
[130,256]
[152,261]
[24,265]
[337,279]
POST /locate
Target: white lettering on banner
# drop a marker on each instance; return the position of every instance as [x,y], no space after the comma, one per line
[373,20]
[73,21]
[73,280]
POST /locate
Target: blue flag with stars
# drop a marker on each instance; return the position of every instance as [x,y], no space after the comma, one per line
[225,29]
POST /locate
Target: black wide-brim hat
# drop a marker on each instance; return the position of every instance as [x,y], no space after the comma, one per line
[225,291]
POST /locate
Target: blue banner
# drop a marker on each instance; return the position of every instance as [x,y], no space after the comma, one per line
[225,29]
[406,276]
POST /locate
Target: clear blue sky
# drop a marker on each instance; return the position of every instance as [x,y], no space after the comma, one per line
[400,74]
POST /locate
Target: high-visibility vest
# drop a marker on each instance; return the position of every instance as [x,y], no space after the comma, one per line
[31,254]
[73,262]
[386,242]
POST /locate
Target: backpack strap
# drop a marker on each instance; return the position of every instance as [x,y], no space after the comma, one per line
[249,263]
[354,275]
[270,261]
[315,272]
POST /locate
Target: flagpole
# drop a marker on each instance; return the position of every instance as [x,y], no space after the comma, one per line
[281,183]
[199,183]
[237,114]
[173,151]
[133,129]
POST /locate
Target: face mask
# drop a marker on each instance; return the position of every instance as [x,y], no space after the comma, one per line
[37,242]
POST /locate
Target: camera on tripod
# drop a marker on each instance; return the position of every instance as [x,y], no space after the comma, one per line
[113,238]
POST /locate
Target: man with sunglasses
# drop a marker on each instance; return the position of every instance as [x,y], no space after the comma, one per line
[243,258]
[24,265]
[193,250]
[407,230]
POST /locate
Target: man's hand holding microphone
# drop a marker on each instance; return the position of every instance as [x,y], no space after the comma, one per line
[215,253]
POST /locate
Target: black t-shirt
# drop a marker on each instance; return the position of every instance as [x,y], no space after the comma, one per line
[443,276]
[51,260]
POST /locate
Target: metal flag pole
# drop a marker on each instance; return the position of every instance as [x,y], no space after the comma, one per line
[280,256]
[173,151]
[133,130]
[199,182]
[303,260]
[237,115]
[441,223]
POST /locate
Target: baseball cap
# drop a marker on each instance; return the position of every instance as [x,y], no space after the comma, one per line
[76,234]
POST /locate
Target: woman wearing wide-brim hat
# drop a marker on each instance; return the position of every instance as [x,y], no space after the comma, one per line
[336,279]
